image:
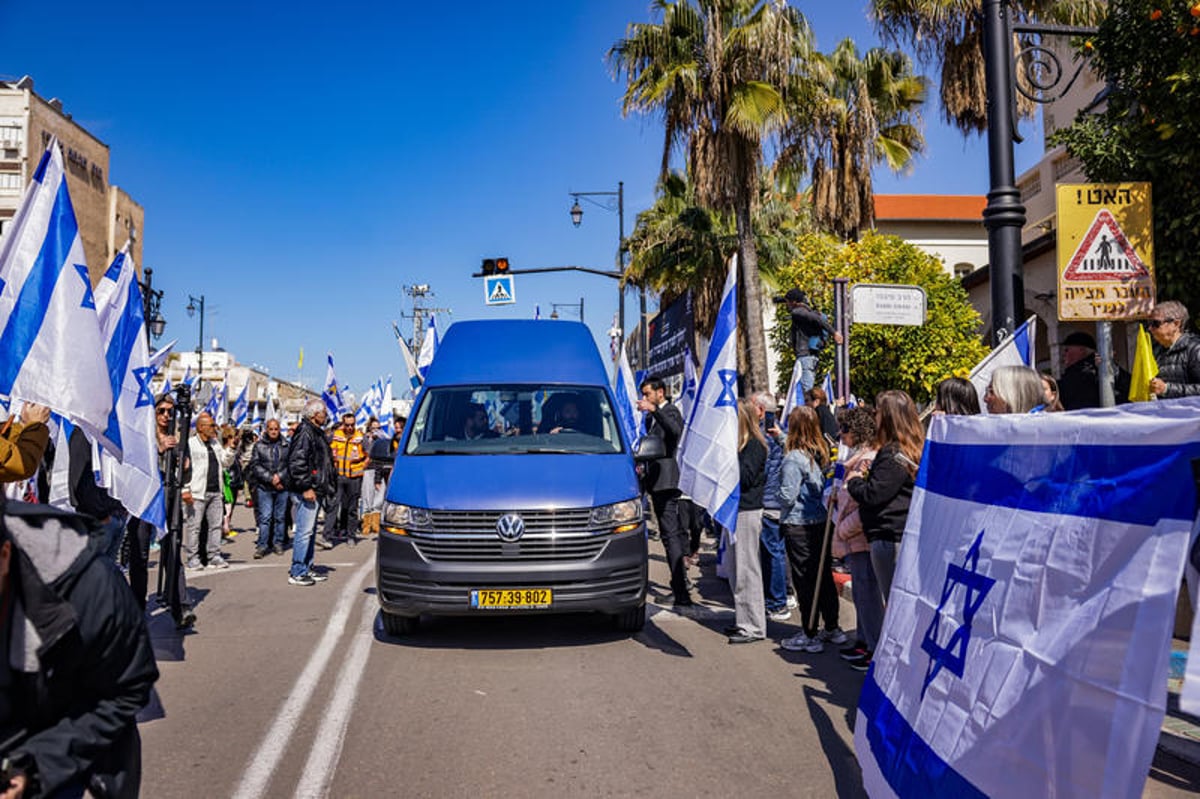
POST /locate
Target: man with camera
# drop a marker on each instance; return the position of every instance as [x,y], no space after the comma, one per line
[809,331]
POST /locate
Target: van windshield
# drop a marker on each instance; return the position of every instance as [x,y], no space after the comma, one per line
[521,418]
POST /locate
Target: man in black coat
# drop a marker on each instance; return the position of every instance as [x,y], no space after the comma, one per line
[268,466]
[1079,386]
[661,481]
[77,664]
[310,474]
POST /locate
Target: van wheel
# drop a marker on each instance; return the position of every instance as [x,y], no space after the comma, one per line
[632,620]
[400,625]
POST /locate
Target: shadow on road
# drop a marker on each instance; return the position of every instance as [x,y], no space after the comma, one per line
[842,761]
[508,632]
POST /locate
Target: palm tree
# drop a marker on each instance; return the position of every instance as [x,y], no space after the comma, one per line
[678,245]
[718,72]
[948,32]
[856,113]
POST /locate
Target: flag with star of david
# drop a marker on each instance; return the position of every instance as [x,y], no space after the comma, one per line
[708,456]
[1026,644]
[51,351]
[134,481]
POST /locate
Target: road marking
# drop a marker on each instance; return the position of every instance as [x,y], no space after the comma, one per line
[263,762]
[331,736]
[240,567]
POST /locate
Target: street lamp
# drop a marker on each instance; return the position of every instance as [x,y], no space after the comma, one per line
[152,306]
[577,219]
[191,311]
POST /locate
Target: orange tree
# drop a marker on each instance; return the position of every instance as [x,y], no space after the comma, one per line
[911,359]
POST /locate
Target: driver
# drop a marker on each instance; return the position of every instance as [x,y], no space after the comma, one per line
[567,418]
[476,423]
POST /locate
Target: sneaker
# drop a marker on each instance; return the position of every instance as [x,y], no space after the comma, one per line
[318,577]
[862,654]
[814,645]
[863,663]
[260,553]
[795,643]
[783,614]
[303,579]
[218,563]
[324,543]
[836,636]
[792,602]
[194,566]
[852,652]
[277,549]
[186,620]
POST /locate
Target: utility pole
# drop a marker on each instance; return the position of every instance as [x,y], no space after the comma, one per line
[420,292]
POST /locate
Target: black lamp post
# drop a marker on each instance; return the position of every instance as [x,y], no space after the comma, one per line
[577,219]
[191,311]
[1004,216]
[152,306]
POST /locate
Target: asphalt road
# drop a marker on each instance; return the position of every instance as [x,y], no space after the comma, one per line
[285,691]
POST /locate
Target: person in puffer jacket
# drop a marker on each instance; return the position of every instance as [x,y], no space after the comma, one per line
[849,541]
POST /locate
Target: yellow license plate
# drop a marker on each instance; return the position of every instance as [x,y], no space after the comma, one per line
[511,598]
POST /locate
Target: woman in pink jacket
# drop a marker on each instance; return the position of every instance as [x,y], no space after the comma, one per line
[849,542]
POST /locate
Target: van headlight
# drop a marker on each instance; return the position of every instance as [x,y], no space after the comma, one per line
[406,517]
[624,516]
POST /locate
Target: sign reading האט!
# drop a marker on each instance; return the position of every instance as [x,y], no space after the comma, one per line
[1105,251]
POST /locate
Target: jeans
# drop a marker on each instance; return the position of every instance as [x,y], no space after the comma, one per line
[774,564]
[302,543]
[111,534]
[804,542]
[210,506]
[270,506]
[808,371]
[868,600]
[883,561]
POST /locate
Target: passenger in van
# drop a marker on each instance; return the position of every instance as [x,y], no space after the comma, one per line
[476,423]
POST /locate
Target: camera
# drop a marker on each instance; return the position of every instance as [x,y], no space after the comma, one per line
[779,299]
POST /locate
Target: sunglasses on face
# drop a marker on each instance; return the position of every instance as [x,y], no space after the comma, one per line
[162,410]
[1155,324]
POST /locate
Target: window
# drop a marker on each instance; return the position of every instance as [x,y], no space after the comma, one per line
[510,419]
[10,181]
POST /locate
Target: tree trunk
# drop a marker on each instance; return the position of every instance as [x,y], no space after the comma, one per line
[756,374]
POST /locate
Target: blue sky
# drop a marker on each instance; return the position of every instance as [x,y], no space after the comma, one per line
[300,163]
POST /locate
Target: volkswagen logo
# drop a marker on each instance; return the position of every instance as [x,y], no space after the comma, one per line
[510,527]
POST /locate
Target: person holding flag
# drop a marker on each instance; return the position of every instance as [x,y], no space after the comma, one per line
[749,607]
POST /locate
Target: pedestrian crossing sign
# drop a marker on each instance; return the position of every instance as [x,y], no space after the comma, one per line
[1105,251]
[498,290]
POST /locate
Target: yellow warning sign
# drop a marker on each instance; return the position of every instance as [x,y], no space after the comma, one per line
[1105,251]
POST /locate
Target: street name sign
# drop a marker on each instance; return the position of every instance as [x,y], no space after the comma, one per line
[887,304]
[499,290]
[1105,251]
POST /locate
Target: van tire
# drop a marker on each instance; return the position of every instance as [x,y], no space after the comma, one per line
[632,620]
[397,626]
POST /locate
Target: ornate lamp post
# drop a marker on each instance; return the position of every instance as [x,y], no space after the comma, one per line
[191,311]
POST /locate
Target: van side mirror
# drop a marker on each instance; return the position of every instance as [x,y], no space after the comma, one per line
[650,448]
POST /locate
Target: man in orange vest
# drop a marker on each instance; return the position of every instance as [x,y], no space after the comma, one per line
[349,461]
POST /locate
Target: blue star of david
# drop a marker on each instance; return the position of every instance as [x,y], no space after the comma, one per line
[142,375]
[728,396]
[953,656]
[2,284]
[88,300]
[114,270]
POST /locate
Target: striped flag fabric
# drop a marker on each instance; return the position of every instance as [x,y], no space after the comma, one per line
[428,347]
[1016,350]
[625,394]
[708,454]
[241,409]
[1026,645]
[53,352]
[332,394]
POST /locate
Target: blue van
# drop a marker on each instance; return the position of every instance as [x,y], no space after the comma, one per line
[513,490]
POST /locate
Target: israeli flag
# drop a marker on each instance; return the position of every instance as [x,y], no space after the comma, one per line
[795,395]
[332,394]
[272,411]
[53,352]
[167,388]
[241,409]
[428,347]
[222,395]
[1026,645]
[625,394]
[134,481]
[708,455]
[189,379]
[386,403]
[687,396]
[1016,350]
[159,356]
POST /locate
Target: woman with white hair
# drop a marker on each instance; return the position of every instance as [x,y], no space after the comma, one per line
[1015,389]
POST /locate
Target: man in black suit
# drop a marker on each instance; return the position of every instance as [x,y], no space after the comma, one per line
[661,480]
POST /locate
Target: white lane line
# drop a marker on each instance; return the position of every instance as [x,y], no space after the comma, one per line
[262,763]
[322,762]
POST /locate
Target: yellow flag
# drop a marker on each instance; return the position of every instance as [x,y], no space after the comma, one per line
[300,363]
[1145,368]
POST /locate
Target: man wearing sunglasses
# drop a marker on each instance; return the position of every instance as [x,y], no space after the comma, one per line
[1179,356]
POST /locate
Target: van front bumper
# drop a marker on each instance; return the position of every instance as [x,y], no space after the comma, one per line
[436,575]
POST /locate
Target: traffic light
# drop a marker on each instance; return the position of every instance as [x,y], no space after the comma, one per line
[495,266]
